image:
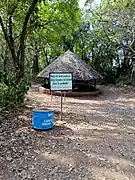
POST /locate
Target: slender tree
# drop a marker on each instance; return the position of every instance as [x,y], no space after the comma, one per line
[18,54]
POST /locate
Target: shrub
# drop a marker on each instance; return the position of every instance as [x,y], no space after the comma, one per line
[124,80]
[13,90]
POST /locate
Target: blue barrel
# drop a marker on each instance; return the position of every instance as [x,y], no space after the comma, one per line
[42,119]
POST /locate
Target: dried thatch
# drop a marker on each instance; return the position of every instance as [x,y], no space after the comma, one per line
[69,62]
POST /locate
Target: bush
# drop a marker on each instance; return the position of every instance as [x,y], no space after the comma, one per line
[13,90]
[124,80]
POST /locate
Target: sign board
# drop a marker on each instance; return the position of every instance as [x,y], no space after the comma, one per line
[61,81]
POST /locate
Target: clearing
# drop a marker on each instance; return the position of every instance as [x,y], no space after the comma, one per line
[95,140]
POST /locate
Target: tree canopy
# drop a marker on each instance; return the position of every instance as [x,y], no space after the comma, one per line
[34,32]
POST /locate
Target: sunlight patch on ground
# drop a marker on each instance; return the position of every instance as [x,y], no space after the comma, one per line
[125,100]
[121,162]
[85,126]
[102,173]
[115,161]
[23,117]
[82,127]
[22,130]
[131,100]
[131,127]
[58,158]
[59,122]
[108,127]
[84,139]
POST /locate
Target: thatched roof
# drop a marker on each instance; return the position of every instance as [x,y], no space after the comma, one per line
[70,62]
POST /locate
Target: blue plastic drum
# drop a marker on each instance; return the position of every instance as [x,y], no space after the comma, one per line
[42,119]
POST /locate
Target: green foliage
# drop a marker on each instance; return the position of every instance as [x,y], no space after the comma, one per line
[22,23]
[96,34]
[112,29]
[124,80]
[57,20]
[12,90]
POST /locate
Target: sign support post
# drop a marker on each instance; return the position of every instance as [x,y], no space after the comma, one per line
[61,104]
[61,81]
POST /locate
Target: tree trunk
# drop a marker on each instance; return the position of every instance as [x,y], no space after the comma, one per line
[35,58]
[5,59]
[126,62]
[45,53]
[92,51]
[21,51]
[18,57]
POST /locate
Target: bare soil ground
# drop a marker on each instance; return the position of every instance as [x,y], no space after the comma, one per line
[95,140]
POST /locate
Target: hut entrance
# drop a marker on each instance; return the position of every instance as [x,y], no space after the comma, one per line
[84,86]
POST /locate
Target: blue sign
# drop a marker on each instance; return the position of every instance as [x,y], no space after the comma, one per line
[60,81]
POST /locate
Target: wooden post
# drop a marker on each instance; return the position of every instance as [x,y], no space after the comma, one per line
[64,96]
[51,95]
[61,105]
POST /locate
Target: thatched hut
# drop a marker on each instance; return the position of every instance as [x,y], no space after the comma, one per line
[84,77]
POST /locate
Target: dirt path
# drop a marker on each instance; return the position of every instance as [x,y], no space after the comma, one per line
[95,140]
